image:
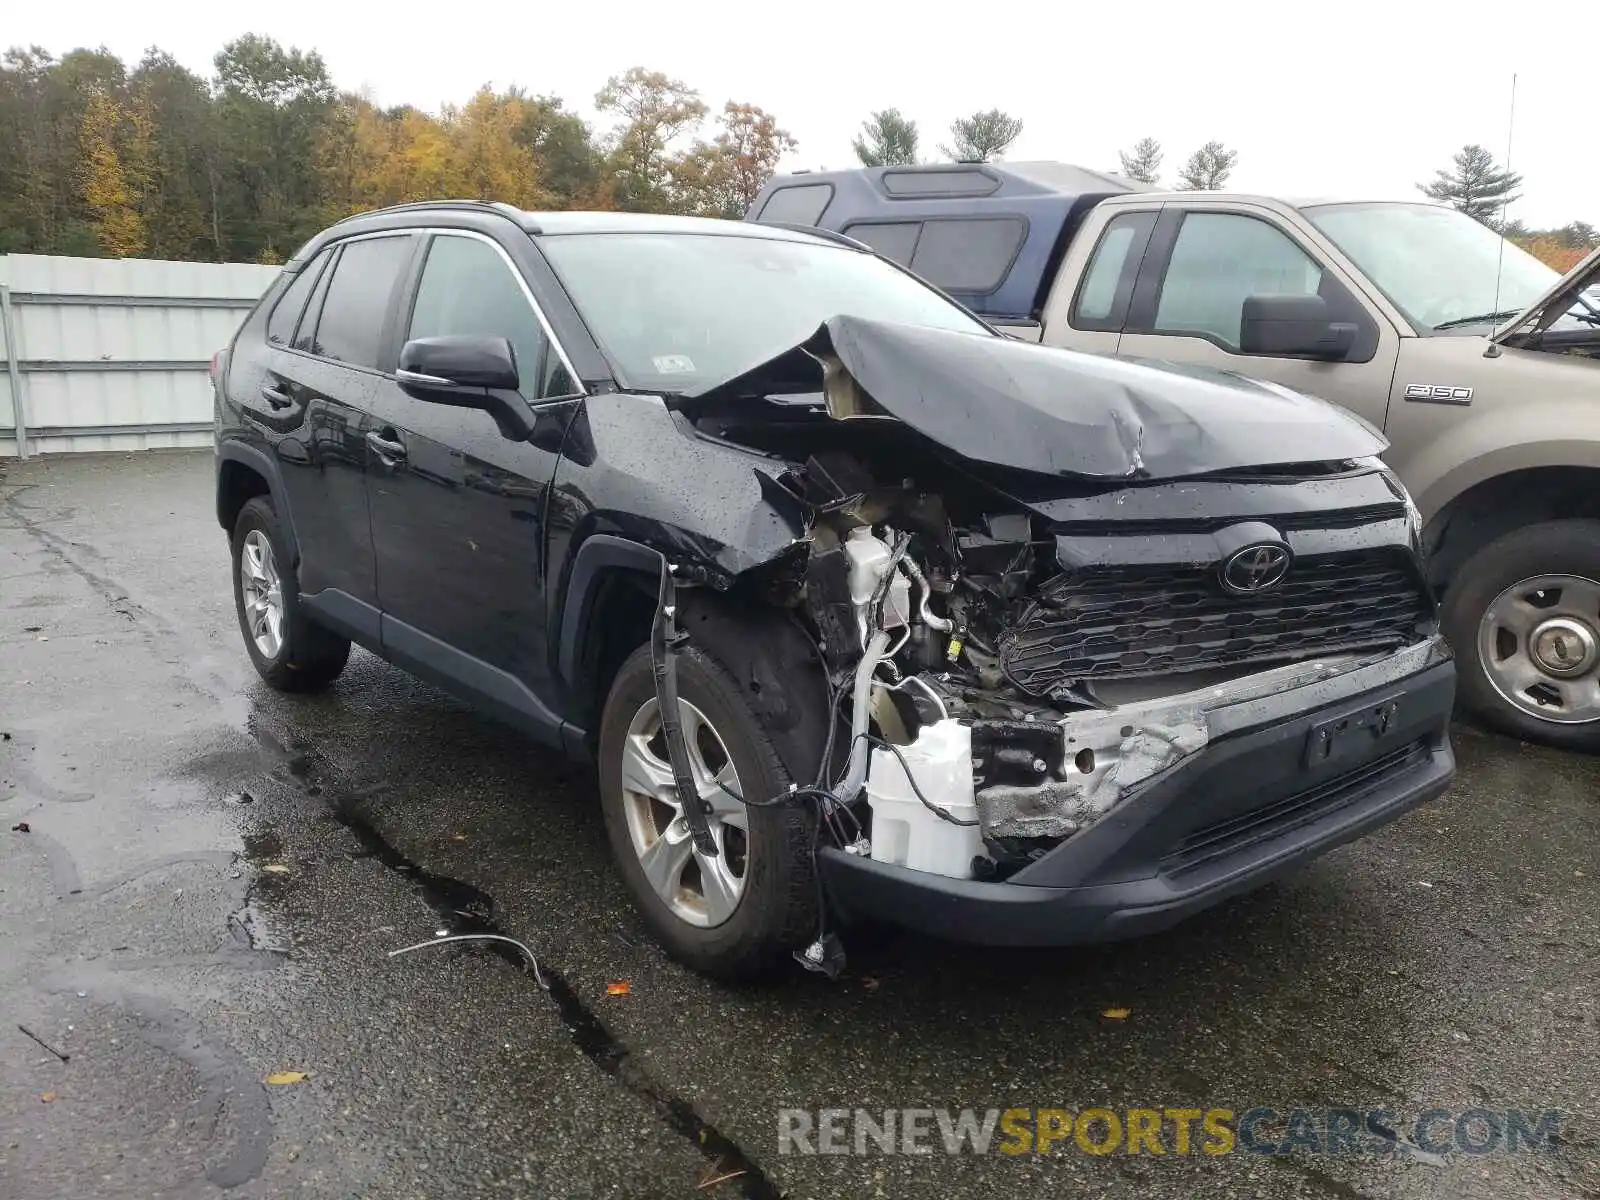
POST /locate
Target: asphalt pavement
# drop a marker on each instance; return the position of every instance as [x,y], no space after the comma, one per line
[195,931]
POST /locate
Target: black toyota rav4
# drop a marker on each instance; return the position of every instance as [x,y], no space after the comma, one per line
[861,608]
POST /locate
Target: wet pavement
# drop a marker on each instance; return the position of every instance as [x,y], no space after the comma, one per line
[214,874]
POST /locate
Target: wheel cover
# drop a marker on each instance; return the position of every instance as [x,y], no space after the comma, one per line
[261,590]
[1539,642]
[699,890]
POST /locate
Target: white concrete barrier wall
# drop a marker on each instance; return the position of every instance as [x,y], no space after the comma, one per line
[111,354]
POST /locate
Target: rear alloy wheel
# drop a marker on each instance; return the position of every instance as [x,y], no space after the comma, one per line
[289,651]
[263,594]
[737,913]
[1524,617]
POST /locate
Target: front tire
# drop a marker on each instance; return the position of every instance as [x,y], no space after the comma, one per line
[1523,616]
[737,914]
[289,651]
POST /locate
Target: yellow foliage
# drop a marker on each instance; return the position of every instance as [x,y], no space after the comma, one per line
[105,184]
[1553,252]
[486,161]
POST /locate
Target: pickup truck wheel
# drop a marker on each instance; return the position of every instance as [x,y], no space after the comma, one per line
[289,652]
[1523,615]
[736,914]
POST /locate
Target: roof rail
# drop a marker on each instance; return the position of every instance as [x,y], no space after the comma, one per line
[818,231]
[499,206]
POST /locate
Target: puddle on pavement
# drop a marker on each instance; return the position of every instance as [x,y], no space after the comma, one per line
[463,909]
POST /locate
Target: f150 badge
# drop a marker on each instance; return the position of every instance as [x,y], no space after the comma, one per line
[1438,393]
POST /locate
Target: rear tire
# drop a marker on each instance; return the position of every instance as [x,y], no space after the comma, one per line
[289,651]
[770,857]
[1523,616]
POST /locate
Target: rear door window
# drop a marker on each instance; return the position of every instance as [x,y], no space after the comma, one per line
[350,328]
[1103,295]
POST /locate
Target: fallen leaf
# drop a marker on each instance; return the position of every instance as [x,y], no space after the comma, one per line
[1116,1014]
[278,1078]
[276,868]
[620,987]
[458,837]
[1424,883]
[24,827]
[47,1097]
[871,984]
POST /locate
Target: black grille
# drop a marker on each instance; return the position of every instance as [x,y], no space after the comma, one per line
[1230,836]
[1127,621]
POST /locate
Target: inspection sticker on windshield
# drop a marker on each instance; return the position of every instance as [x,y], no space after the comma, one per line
[674,364]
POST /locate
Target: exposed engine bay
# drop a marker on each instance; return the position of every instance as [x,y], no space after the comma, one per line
[1010,652]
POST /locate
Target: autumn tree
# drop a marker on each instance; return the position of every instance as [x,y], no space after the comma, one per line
[1476,186]
[1208,168]
[486,160]
[722,177]
[1143,162]
[654,110]
[983,136]
[887,139]
[106,190]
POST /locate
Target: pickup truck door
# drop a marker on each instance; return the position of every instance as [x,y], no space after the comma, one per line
[1204,259]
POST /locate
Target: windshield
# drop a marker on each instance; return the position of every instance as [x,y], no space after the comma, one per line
[678,312]
[1436,265]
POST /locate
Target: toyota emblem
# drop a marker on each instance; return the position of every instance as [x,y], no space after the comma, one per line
[1255,569]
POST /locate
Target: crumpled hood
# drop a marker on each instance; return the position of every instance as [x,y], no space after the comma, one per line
[1057,412]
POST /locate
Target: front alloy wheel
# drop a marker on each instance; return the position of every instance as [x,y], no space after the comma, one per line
[699,889]
[739,912]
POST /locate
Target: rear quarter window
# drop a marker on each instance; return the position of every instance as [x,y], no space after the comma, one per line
[286,313]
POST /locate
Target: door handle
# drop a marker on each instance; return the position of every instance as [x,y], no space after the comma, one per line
[388,452]
[275,395]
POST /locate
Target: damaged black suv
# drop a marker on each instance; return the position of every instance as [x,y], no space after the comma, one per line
[862,609]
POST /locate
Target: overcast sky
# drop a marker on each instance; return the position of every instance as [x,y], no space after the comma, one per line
[1354,98]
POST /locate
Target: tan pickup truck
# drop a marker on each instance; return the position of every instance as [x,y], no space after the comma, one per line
[1480,365]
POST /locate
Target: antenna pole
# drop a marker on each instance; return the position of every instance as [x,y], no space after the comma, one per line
[1511,124]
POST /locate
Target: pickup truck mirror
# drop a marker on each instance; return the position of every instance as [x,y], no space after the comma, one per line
[1294,327]
[467,372]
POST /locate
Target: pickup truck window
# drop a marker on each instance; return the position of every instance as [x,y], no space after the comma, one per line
[803,204]
[1219,259]
[958,254]
[894,240]
[1102,302]
[1445,271]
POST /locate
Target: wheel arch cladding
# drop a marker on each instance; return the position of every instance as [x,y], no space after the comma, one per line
[776,667]
[244,473]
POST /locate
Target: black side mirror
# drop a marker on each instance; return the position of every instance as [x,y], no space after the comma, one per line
[1294,327]
[467,371]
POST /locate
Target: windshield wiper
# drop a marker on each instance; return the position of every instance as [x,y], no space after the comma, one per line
[1480,319]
